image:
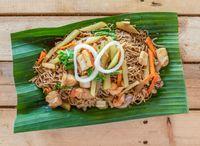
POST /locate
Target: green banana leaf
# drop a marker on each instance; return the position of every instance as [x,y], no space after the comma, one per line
[32,110]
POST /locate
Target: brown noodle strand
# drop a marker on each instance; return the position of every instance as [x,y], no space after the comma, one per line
[133,44]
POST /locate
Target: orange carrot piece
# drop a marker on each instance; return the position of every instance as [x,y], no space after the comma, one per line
[68,45]
[42,56]
[91,58]
[148,78]
[151,62]
[155,79]
[47,90]
[153,72]
[73,93]
[76,92]
[119,56]
[148,41]
[95,46]
[119,79]
[118,101]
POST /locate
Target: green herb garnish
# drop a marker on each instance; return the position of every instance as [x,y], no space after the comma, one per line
[116,72]
[99,77]
[57,86]
[66,58]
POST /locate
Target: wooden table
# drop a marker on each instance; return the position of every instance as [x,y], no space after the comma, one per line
[180,130]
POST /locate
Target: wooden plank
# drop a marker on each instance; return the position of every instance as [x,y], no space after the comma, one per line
[191,72]
[193,93]
[6,73]
[192,76]
[8,94]
[133,132]
[186,129]
[179,130]
[189,32]
[14,24]
[94,7]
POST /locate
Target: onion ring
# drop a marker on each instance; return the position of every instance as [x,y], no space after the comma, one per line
[98,58]
[94,53]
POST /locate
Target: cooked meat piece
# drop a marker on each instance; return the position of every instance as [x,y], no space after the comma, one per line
[68,80]
[101,104]
[143,58]
[54,99]
[162,56]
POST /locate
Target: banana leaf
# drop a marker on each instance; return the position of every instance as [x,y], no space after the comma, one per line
[32,110]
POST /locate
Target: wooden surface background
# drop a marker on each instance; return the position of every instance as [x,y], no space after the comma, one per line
[176,130]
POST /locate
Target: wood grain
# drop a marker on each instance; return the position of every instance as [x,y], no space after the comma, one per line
[191,72]
[180,130]
[14,24]
[95,7]
[189,50]
[188,26]
[6,73]
[133,132]
[8,95]
[192,80]
[9,98]
[189,31]
[186,129]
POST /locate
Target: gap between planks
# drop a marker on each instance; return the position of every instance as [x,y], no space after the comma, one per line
[96,7]
[77,14]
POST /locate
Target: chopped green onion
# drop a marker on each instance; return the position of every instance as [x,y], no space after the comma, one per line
[66,58]
[99,77]
[116,72]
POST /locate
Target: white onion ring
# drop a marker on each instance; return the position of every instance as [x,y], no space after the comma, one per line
[94,53]
[98,58]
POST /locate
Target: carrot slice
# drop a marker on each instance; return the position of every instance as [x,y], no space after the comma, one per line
[148,41]
[91,58]
[67,46]
[153,73]
[42,56]
[148,78]
[119,79]
[47,89]
[95,46]
[118,101]
[151,62]
[155,79]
